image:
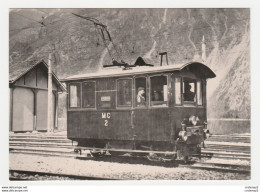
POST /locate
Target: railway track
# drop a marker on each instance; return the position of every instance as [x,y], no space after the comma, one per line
[23,175]
[217,167]
[68,152]
[232,138]
[214,149]
[221,167]
[61,147]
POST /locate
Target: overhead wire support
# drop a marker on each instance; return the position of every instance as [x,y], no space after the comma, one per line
[40,22]
[95,21]
[106,37]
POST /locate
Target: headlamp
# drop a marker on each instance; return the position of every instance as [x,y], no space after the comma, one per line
[206,133]
[194,120]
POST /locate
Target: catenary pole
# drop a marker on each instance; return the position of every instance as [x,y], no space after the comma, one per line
[49,116]
[203,44]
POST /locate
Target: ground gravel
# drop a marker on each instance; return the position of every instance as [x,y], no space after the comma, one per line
[114,170]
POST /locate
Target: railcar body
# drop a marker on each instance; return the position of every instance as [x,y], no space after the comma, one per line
[159,109]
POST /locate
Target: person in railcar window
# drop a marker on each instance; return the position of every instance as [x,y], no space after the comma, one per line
[159,91]
[157,96]
[140,92]
[188,94]
[140,99]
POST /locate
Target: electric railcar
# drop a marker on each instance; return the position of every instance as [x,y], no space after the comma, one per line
[159,110]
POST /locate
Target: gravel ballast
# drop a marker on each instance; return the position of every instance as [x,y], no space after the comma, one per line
[115,170]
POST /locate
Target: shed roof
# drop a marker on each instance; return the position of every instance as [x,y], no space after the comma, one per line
[202,68]
[16,73]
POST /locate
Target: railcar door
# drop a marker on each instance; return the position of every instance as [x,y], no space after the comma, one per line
[152,120]
[120,119]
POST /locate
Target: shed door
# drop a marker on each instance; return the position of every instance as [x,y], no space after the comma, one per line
[23,107]
[42,107]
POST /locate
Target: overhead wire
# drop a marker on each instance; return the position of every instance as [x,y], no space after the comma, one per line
[174,33]
[171,51]
[187,51]
[48,25]
[206,41]
[72,21]
[178,31]
[51,23]
[27,18]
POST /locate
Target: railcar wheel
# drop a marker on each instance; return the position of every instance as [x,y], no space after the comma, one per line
[96,154]
[153,157]
[78,150]
[199,153]
[186,159]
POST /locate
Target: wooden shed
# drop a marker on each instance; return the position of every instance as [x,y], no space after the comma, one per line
[28,85]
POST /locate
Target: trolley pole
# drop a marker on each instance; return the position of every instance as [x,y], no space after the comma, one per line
[49,112]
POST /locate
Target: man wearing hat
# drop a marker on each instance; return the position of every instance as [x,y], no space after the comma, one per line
[188,94]
[140,99]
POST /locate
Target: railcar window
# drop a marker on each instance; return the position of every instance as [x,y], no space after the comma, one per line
[140,90]
[88,94]
[199,92]
[124,93]
[159,91]
[75,91]
[178,91]
[189,90]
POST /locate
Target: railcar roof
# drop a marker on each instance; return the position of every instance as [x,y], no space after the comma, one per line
[118,72]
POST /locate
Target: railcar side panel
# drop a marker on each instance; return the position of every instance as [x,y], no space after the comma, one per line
[141,129]
[159,121]
[73,122]
[114,125]
[161,124]
[119,126]
[89,125]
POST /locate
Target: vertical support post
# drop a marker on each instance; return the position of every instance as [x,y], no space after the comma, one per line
[35,91]
[133,129]
[162,54]
[203,50]
[11,109]
[49,112]
[56,109]
[204,99]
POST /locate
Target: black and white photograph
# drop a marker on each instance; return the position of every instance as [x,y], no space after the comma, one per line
[124,95]
[129,94]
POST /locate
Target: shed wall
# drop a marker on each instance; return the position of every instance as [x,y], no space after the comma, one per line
[29,101]
[23,113]
[42,109]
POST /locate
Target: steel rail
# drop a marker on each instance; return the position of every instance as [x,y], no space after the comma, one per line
[219,169]
[75,177]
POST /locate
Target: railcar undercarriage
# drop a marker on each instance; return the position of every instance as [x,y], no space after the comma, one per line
[188,143]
